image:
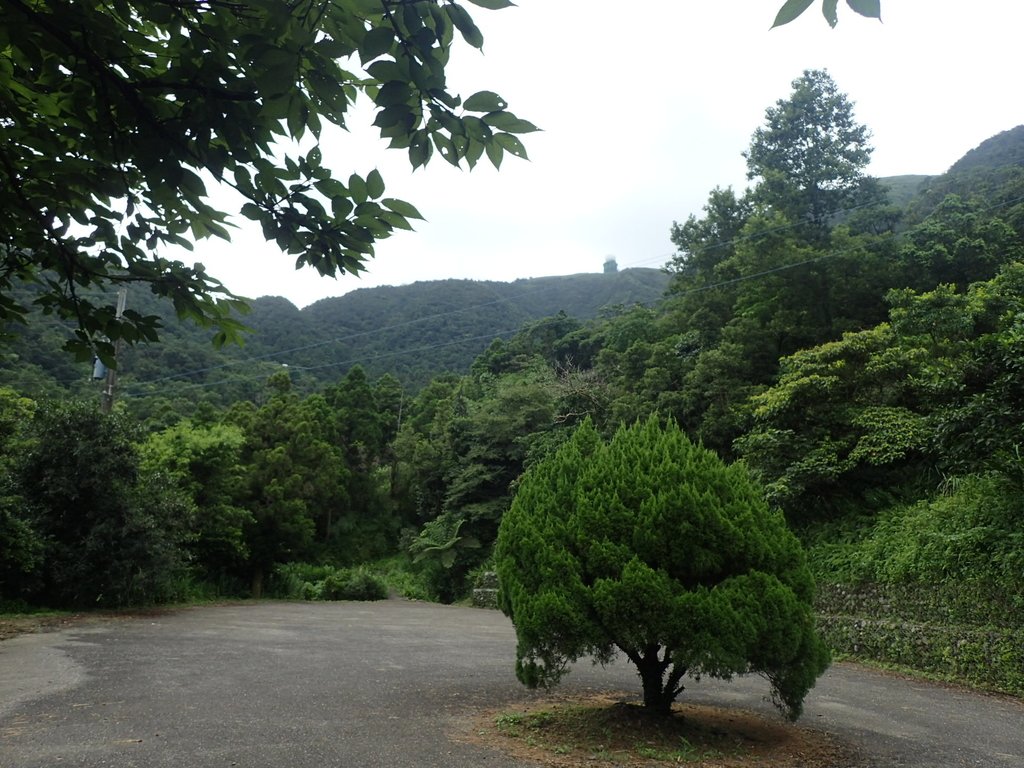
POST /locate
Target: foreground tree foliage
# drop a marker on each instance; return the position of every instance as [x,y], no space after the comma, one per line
[652,546]
[117,115]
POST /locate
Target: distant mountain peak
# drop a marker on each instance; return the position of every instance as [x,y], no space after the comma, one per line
[1003,149]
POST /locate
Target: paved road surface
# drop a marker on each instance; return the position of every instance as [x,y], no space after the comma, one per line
[319,685]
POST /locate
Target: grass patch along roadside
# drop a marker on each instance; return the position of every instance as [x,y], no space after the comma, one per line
[609,730]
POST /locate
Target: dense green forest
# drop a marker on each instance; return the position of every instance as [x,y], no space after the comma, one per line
[857,344]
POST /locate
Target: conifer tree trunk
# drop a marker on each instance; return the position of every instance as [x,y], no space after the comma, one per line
[655,699]
[659,693]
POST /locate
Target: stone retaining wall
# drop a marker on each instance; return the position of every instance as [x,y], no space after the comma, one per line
[485,591]
[931,630]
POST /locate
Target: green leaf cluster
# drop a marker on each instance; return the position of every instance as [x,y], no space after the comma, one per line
[792,9]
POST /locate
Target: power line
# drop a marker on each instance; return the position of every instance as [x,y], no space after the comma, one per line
[497,334]
[339,339]
[512,299]
[353,361]
[506,300]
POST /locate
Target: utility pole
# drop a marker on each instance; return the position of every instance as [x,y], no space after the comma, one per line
[107,401]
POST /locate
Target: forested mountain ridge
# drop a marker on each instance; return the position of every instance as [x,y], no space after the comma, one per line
[419,330]
[900,190]
[413,332]
[581,295]
[1003,149]
[993,171]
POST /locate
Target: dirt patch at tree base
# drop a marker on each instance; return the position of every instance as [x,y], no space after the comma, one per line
[609,730]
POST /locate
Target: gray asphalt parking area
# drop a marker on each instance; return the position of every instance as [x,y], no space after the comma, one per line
[309,685]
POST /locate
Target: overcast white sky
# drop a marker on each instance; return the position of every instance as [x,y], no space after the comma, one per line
[645,107]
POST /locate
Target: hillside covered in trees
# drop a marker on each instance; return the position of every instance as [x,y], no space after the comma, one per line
[413,332]
[858,350]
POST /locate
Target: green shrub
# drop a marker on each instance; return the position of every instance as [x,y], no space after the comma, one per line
[353,584]
[288,580]
[290,576]
[969,538]
[975,533]
[307,581]
[103,531]
[935,586]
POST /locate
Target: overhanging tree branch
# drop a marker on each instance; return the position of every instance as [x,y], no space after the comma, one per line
[116,110]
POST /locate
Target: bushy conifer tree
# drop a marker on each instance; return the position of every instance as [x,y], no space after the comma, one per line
[652,546]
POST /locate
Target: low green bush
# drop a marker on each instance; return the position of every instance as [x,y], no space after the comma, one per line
[305,581]
[969,539]
[353,584]
[972,532]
